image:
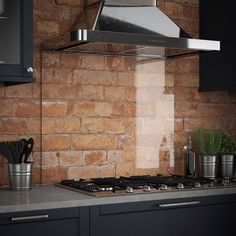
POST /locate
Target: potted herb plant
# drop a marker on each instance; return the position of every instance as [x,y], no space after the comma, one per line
[209,147]
[227,160]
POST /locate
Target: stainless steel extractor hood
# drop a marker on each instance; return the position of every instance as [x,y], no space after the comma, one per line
[135,28]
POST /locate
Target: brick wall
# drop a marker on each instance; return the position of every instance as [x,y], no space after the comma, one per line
[95,116]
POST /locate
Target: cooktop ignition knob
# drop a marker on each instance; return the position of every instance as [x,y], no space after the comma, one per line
[180,186]
[211,184]
[129,190]
[164,187]
[197,185]
[146,188]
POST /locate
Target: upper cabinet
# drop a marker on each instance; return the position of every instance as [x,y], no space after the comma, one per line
[16,41]
[217,22]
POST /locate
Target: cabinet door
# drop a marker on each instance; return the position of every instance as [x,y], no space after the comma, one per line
[165,219]
[16,41]
[59,222]
[217,70]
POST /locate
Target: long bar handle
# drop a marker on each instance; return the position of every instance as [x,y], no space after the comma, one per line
[177,204]
[21,218]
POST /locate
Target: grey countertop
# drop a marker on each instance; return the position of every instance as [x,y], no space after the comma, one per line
[50,197]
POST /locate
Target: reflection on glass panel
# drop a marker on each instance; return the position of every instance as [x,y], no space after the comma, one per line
[9,32]
[155,119]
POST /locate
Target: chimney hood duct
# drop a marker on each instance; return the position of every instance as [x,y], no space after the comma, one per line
[134,28]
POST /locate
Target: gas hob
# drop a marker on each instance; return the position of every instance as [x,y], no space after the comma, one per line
[142,184]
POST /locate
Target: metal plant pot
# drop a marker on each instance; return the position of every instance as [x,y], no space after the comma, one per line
[209,166]
[227,166]
[20,176]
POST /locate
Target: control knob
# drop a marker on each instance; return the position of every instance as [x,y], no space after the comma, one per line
[129,190]
[164,187]
[180,186]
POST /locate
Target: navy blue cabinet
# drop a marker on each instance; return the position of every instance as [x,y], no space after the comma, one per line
[217,70]
[16,41]
[192,216]
[60,222]
[211,216]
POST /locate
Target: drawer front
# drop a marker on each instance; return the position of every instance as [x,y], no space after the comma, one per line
[42,215]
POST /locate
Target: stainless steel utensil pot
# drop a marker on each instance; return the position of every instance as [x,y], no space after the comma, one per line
[20,176]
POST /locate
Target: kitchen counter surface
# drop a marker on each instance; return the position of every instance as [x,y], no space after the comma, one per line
[50,197]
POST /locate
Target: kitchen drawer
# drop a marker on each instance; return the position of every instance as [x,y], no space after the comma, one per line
[60,222]
[211,216]
[41,215]
[164,204]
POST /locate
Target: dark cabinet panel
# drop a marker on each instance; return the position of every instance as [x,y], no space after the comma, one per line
[217,69]
[60,222]
[180,217]
[16,41]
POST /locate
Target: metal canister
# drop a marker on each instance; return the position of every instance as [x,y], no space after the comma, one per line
[209,166]
[227,165]
[20,176]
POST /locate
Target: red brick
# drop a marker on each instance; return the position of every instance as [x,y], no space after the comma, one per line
[114,93]
[13,126]
[213,123]
[91,62]
[126,79]
[49,159]
[48,125]
[115,156]
[69,2]
[70,60]
[2,91]
[90,109]
[114,63]
[51,59]
[88,172]
[70,158]
[191,11]
[54,175]
[4,176]
[124,109]
[92,125]
[55,142]
[19,91]
[47,27]
[28,109]
[130,94]
[95,77]
[54,109]
[95,157]
[36,178]
[7,107]
[125,169]
[187,80]
[185,109]
[114,126]
[94,142]
[90,92]
[172,9]
[61,75]
[132,109]
[68,125]
[34,126]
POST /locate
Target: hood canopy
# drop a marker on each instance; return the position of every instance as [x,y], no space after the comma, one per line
[134,28]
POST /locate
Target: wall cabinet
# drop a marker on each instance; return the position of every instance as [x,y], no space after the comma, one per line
[16,41]
[217,69]
[59,222]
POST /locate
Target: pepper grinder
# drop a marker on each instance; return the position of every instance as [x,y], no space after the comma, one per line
[190,160]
